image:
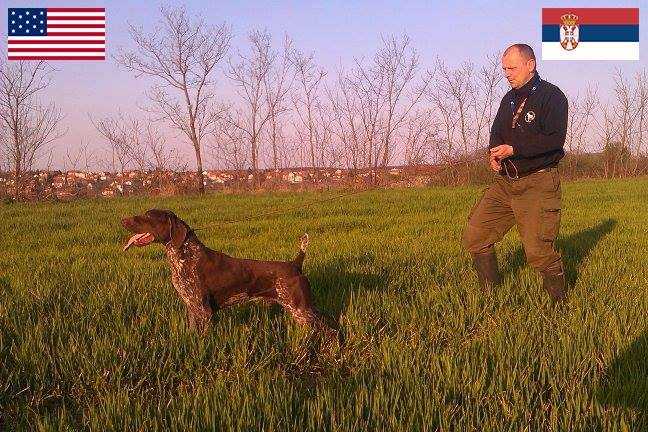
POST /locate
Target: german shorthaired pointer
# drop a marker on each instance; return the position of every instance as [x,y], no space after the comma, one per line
[207,280]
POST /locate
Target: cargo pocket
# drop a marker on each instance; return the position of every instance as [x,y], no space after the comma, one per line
[549,221]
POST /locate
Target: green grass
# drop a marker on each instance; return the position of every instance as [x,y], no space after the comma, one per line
[95,338]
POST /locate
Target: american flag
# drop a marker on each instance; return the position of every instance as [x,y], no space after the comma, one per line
[56,34]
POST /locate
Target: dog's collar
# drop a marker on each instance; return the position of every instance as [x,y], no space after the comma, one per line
[190,232]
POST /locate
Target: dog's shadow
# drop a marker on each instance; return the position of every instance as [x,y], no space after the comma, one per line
[333,282]
[574,249]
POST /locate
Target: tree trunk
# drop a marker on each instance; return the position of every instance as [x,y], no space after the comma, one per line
[199,165]
[17,177]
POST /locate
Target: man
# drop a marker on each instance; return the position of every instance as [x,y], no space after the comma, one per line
[526,144]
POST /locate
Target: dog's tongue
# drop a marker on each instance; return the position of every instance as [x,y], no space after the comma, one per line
[141,239]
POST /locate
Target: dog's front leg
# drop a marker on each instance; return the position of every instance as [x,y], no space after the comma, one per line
[199,315]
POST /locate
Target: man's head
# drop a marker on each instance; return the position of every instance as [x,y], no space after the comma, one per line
[518,63]
[160,226]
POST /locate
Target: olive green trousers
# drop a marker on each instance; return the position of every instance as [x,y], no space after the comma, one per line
[533,204]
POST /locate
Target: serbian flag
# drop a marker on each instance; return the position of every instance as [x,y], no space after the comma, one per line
[590,33]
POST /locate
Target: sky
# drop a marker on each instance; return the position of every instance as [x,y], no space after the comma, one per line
[336,31]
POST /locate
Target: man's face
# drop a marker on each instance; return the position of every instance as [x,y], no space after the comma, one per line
[516,69]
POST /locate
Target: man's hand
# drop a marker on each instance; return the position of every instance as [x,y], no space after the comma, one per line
[501,151]
[494,163]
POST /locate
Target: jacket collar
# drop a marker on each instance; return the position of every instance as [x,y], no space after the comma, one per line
[529,87]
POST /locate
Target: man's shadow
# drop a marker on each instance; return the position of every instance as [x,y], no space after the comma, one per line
[574,250]
[625,383]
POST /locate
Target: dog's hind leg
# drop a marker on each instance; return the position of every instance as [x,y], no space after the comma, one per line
[294,295]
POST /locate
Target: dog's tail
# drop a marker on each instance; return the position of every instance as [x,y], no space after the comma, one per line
[299,259]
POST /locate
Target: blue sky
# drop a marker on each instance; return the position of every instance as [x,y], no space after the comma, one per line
[336,31]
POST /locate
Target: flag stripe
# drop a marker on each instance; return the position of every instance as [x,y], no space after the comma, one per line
[592,15]
[56,39]
[99,32]
[75,14]
[47,57]
[76,20]
[48,41]
[595,33]
[592,51]
[55,26]
[62,54]
[62,33]
[65,46]
[76,9]
[54,50]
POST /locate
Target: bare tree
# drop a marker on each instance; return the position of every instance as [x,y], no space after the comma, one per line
[373,101]
[483,99]
[160,156]
[419,137]
[399,64]
[581,115]
[464,99]
[305,99]
[116,130]
[137,142]
[230,144]
[345,105]
[277,85]
[621,128]
[181,55]
[73,158]
[28,125]
[261,86]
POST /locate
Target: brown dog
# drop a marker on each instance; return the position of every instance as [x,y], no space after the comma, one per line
[206,280]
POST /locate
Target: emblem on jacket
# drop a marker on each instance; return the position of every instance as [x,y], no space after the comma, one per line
[529,116]
[569,31]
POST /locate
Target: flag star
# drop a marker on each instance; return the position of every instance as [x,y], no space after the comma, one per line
[13,22]
[20,16]
[41,22]
[27,12]
[34,26]
[41,12]
[41,31]
[13,31]
[13,13]
[34,17]
[27,31]
[19,26]
[27,21]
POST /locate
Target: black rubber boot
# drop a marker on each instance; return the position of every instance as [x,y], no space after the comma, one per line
[553,281]
[486,266]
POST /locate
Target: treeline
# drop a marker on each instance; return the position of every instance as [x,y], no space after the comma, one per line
[384,110]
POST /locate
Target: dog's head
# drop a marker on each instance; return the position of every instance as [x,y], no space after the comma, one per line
[161,226]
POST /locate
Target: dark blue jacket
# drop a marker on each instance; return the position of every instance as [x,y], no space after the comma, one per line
[539,135]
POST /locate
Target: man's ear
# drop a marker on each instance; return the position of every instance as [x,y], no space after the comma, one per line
[177,231]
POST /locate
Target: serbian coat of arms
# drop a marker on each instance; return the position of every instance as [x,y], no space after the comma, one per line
[569,31]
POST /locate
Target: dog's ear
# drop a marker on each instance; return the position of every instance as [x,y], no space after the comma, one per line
[177,231]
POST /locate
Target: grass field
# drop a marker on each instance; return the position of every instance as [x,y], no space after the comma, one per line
[94,338]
